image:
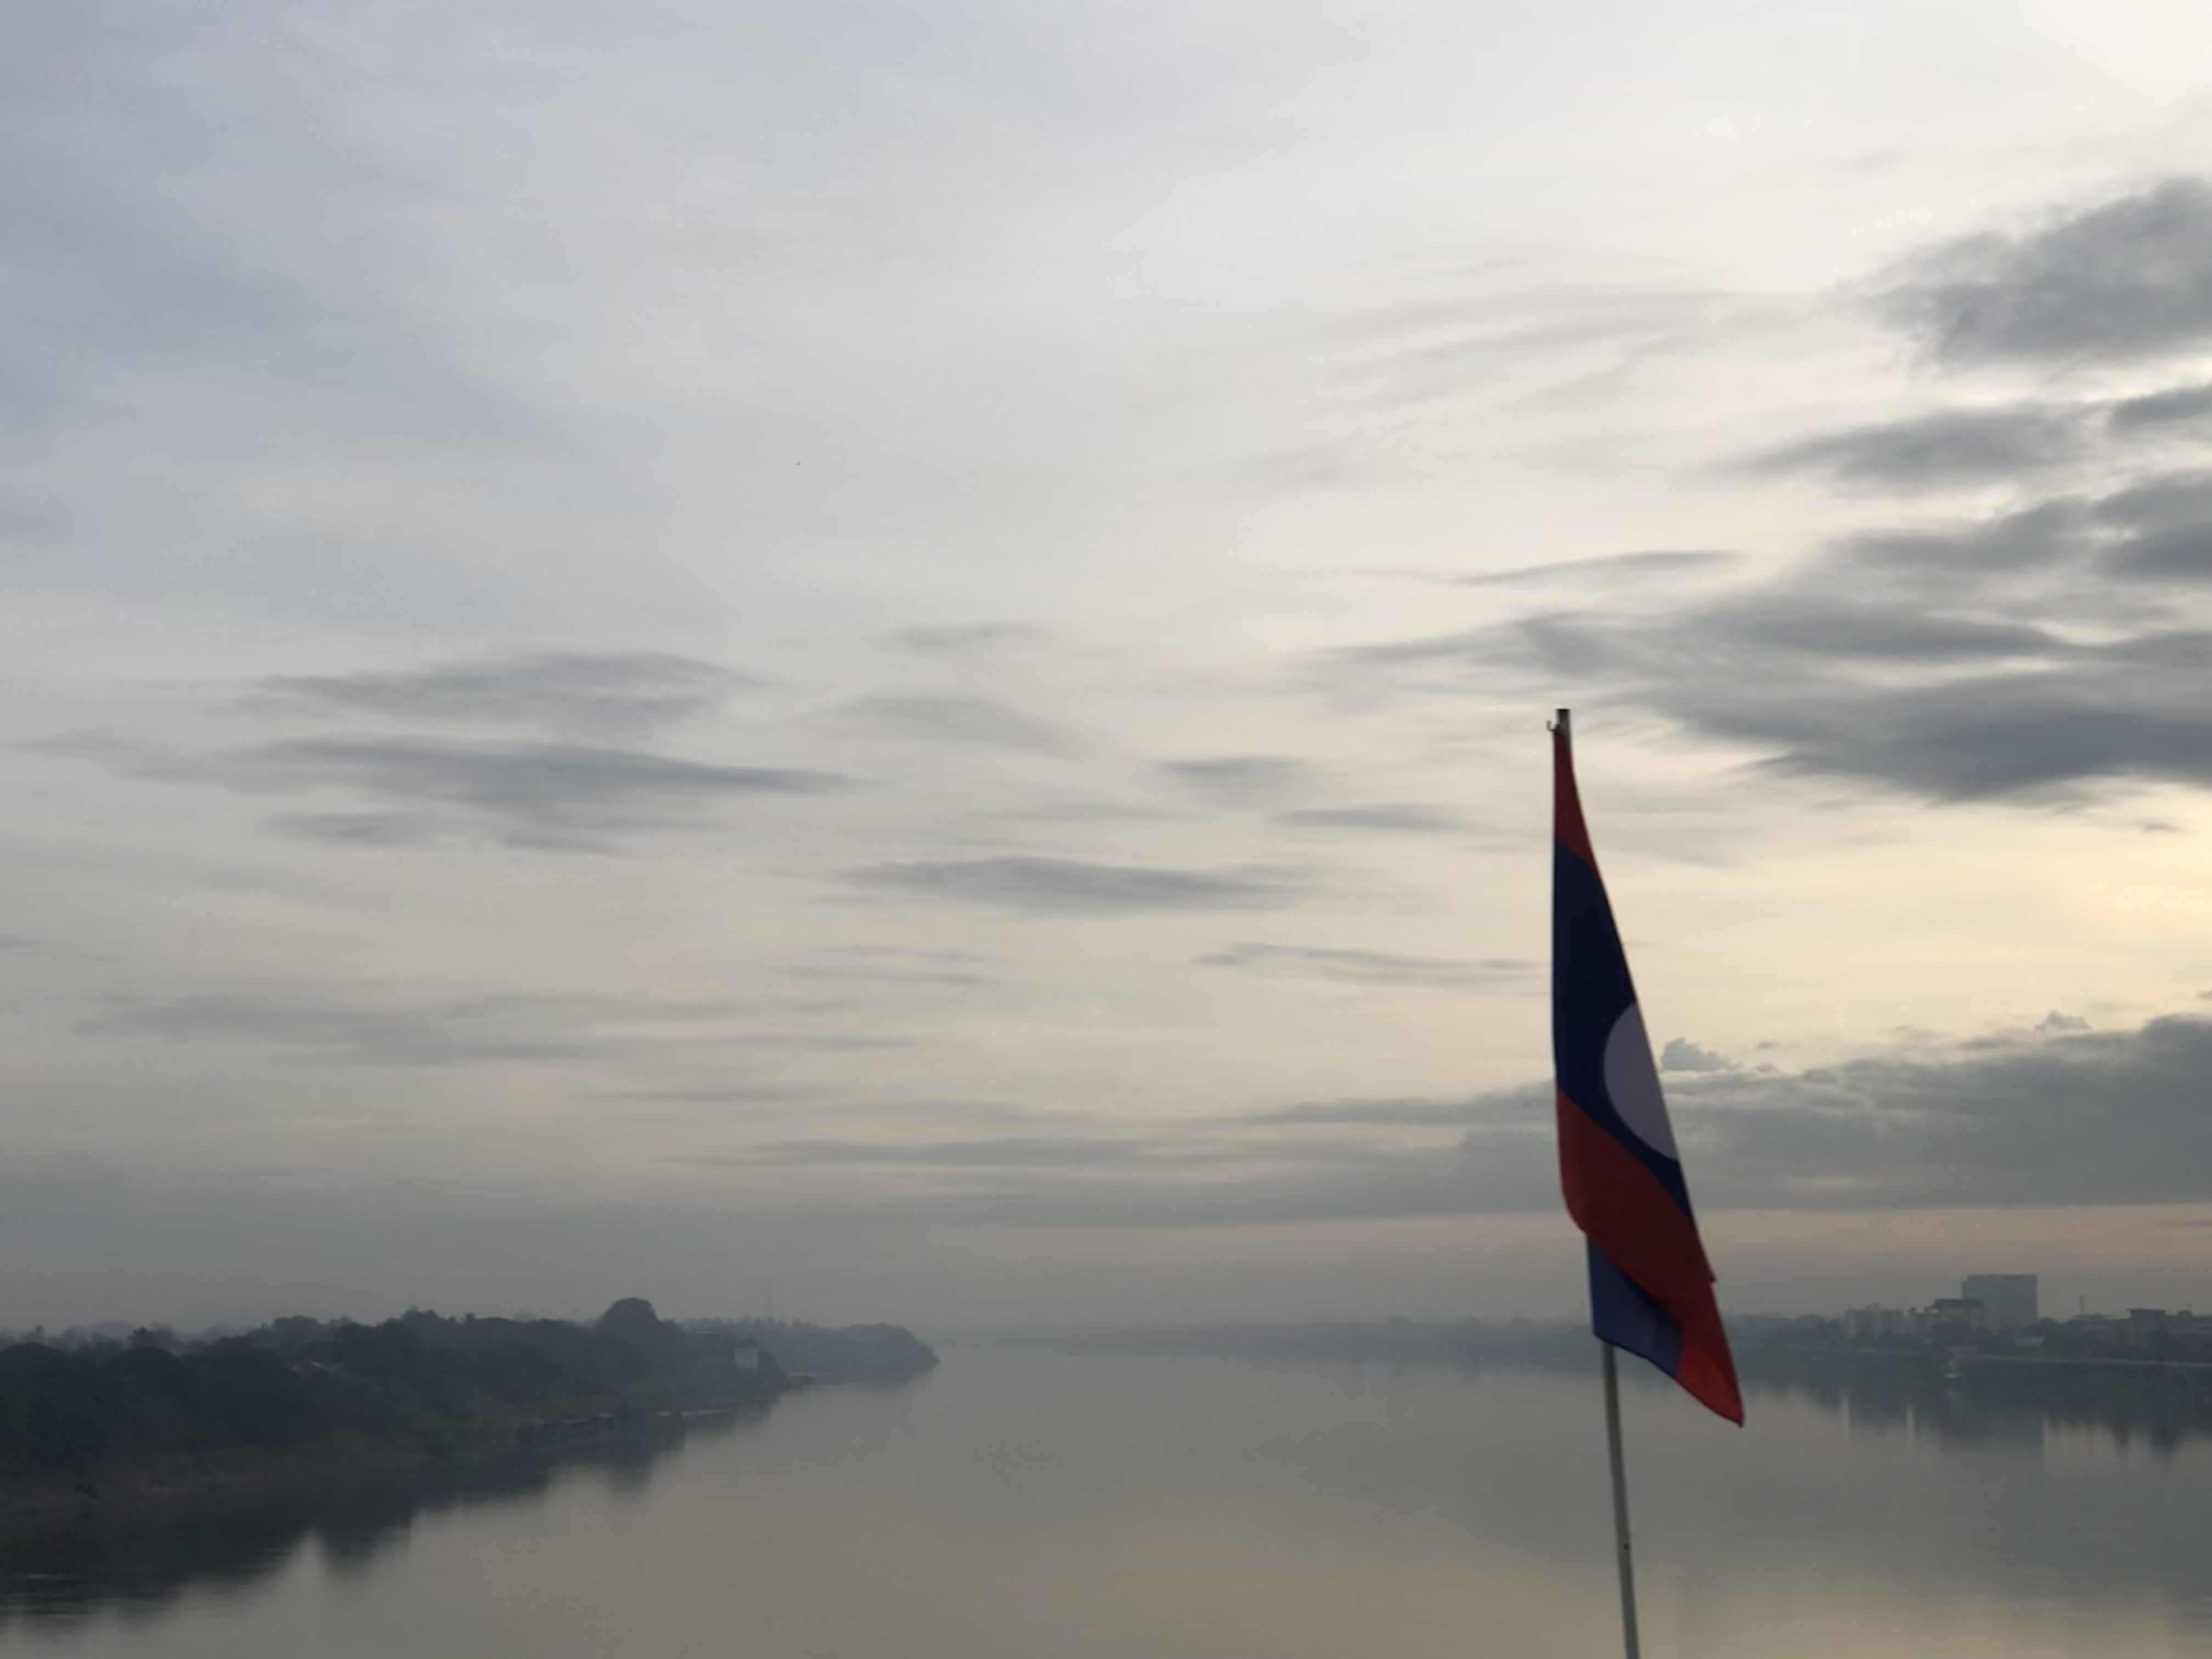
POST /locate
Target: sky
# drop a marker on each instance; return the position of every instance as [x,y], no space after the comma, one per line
[895,657]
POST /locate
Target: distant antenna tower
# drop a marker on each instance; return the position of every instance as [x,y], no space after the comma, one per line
[768,1285]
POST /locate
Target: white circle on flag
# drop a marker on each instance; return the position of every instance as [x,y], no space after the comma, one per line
[1632,1082]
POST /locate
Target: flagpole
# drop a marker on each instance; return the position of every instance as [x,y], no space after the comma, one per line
[1628,1634]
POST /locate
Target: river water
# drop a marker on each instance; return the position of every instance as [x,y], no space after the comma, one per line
[1022,1505]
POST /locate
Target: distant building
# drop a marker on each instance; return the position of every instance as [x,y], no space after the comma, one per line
[1874,1322]
[2144,1323]
[1959,1311]
[2008,1300]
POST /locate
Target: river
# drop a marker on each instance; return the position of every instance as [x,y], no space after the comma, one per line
[1026,1504]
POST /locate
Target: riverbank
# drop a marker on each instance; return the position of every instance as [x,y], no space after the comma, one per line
[501,1453]
[155,1420]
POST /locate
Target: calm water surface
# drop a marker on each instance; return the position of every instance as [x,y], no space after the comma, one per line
[1029,1505]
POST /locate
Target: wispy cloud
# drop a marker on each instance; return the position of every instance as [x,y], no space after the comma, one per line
[555,795]
[1369,967]
[962,640]
[1394,818]
[462,1030]
[969,720]
[1957,446]
[1017,883]
[1656,564]
[1242,777]
[2052,649]
[567,693]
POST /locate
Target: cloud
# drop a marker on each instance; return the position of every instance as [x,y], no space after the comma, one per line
[1368,967]
[465,1030]
[554,795]
[961,639]
[2165,529]
[1401,817]
[609,694]
[23,946]
[2057,1118]
[1242,777]
[1513,1170]
[1966,557]
[1928,452]
[893,975]
[1681,1054]
[1017,883]
[1530,1103]
[361,828]
[2124,279]
[2049,652]
[2154,411]
[1659,563]
[969,720]
[1012,1151]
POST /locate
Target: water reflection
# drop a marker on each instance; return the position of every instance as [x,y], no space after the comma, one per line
[1091,1506]
[1994,1407]
[224,1548]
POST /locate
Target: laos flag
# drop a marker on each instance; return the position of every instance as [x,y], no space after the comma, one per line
[1651,1289]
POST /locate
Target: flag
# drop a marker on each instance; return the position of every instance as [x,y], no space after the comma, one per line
[1651,1289]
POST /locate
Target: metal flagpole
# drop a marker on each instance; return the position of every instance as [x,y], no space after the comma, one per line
[1620,1505]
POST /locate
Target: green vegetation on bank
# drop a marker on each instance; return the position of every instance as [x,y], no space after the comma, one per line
[89,1412]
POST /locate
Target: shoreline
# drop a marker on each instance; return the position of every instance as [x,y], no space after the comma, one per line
[146,1489]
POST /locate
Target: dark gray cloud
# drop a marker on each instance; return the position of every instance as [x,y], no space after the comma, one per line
[1957,446]
[2043,653]
[1396,818]
[579,693]
[361,828]
[1018,883]
[1242,777]
[2070,1118]
[1368,967]
[2157,411]
[969,720]
[1814,626]
[2055,1117]
[2128,278]
[553,795]
[1967,557]
[2164,530]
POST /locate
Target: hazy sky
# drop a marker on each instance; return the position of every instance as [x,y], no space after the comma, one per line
[901,652]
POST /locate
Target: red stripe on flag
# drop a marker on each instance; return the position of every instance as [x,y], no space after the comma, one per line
[1626,1213]
[1566,801]
[1707,1371]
